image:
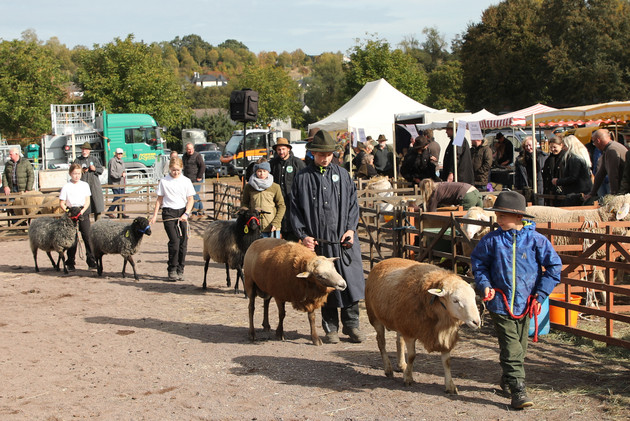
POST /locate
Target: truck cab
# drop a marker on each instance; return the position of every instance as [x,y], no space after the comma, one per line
[239,153]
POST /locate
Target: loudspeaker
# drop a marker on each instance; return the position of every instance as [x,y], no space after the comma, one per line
[244,105]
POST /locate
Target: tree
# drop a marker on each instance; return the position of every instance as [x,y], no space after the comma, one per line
[445,83]
[326,86]
[130,77]
[278,94]
[30,80]
[373,59]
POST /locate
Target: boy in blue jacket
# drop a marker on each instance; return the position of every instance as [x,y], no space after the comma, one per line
[508,267]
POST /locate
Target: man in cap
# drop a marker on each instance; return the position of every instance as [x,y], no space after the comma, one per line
[383,157]
[464,161]
[324,214]
[284,168]
[116,175]
[92,169]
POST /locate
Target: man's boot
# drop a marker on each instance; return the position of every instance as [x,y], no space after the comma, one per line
[520,399]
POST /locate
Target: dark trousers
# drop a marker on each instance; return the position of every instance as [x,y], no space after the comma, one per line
[177,232]
[84,229]
[512,335]
[349,317]
[120,190]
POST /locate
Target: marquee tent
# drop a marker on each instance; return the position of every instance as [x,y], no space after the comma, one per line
[372,109]
[615,111]
[516,118]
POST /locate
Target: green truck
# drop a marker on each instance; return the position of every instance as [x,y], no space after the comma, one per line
[138,135]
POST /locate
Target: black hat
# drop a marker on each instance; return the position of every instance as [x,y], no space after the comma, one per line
[511,202]
[322,142]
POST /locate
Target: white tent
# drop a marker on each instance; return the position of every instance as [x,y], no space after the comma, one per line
[372,109]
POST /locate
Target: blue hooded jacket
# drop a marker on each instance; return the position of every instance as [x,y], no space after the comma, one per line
[512,261]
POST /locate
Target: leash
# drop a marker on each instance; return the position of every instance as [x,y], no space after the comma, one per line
[346,257]
[530,309]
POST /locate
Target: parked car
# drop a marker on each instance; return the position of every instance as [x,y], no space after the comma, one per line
[209,146]
[212,160]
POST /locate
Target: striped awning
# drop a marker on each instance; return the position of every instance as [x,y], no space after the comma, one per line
[516,118]
[585,114]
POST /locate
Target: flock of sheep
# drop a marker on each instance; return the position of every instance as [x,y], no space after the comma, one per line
[417,300]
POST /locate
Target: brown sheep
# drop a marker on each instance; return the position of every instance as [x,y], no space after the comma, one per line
[419,301]
[288,272]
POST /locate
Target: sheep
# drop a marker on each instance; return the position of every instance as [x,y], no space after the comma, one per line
[611,208]
[112,237]
[422,302]
[54,234]
[488,200]
[227,241]
[288,272]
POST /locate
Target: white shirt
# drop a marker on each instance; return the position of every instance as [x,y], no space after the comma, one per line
[75,193]
[175,191]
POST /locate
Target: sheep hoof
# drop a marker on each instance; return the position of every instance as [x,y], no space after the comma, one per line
[453,391]
[317,341]
[389,373]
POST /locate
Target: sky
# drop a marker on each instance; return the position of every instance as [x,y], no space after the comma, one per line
[315,26]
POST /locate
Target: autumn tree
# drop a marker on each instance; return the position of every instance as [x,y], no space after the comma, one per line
[30,80]
[278,94]
[373,59]
[130,77]
[326,86]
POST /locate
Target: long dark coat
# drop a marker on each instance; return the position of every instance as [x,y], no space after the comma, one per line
[324,206]
[465,172]
[97,203]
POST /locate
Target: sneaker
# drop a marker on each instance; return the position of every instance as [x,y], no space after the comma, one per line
[332,337]
[355,334]
[172,276]
[111,215]
[180,274]
[125,216]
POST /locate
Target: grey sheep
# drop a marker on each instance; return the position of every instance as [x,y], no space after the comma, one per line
[54,234]
[227,241]
[112,237]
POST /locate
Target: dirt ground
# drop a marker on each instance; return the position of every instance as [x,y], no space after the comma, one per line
[78,346]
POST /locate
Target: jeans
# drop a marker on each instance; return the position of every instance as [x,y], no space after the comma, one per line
[198,206]
[121,208]
[271,234]
[177,232]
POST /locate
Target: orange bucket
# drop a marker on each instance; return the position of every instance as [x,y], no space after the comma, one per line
[557,314]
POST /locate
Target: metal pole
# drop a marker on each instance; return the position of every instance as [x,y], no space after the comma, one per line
[394,163]
[454,153]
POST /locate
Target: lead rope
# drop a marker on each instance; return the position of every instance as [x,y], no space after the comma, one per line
[346,257]
[530,309]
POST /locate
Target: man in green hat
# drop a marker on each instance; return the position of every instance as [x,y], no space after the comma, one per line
[324,214]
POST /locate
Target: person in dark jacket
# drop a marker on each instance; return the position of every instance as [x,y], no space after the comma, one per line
[611,163]
[116,176]
[284,168]
[503,151]
[417,163]
[481,156]
[92,169]
[554,166]
[523,174]
[325,215]
[508,268]
[194,169]
[383,157]
[464,161]
[575,180]
[18,175]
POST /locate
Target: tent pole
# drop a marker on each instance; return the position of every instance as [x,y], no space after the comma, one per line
[454,153]
[534,151]
[395,161]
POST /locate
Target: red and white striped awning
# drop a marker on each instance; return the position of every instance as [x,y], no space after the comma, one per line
[516,118]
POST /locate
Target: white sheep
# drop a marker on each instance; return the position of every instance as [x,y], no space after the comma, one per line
[288,272]
[420,302]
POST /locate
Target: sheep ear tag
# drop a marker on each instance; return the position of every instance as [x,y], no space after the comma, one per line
[127,233]
[437,292]
[623,212]
[246,229]
[303,274]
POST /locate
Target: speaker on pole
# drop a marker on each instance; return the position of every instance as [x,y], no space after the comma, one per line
[244,105]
